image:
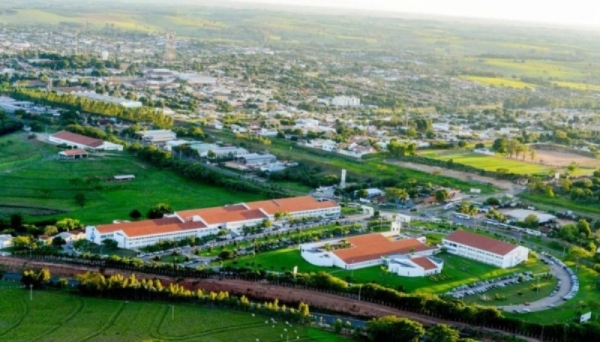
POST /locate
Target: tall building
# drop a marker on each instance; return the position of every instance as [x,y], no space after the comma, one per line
[169,46]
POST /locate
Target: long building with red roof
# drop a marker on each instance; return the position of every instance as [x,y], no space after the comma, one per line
[202,222]
[484,249]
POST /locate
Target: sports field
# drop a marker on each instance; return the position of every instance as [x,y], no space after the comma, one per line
[33,182]
[55,316]
[490,163]
[457,271]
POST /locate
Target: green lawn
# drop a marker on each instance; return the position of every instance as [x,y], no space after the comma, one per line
[587,299]
[560,204]
[37,185]
[457,271]
[490,163]
[510,294]
[55,316]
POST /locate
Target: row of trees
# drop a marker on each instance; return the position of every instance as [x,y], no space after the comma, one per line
[396,329]
[200,173]
[82,104]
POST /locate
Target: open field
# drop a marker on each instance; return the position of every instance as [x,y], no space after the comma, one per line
[500,82]
[530,68]
[562,159]
[33,182]
[560,204]
[54,316]
[490,163]
[457,271]
[577,86]
[587,299]
[510,295]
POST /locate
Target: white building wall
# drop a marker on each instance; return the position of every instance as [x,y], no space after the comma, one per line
[511,259]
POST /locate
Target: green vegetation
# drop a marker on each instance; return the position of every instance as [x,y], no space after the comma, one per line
[55,316]
[490,163]
[587,299]
[577,86]
[457,271]
[33,183]
[525,292]
[500,82]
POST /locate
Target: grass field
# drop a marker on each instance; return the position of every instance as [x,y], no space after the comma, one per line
[53,316]
[490,163]
[30,180]
[577,86]
[560,204]
[500,82]
[531,68]
[457,271]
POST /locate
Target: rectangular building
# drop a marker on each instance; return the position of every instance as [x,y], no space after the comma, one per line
[484,249]
[159,136]
[83,142]
[201,222]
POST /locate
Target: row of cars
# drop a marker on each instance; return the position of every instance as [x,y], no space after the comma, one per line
[574,281]
[488,285]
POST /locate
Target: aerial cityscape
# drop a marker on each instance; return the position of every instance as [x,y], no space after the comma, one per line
[279,170]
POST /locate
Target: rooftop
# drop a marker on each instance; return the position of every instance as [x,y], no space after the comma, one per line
[425,263]
[374,246]
[79,139]
[75,152]
[481,242]
[150,227]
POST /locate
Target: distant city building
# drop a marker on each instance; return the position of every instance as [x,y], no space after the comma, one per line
[159,136]
[109,99]
[345,101]
[255,159]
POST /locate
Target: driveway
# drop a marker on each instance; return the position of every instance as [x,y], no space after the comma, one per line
[548,302]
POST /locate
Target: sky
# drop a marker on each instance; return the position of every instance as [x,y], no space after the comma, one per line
[565,12]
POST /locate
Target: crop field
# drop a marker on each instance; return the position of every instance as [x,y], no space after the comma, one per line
[531,68]
[33,182]
[500,82]
[577,86]
[55,316]
[490,163]
[457,271]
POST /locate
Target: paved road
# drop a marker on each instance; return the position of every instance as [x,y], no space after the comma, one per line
[548,302]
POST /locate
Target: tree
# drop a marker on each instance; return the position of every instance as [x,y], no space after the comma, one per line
[338,326]
[110,243]
[21,242]
[395,194]
[226,255]
[462,144]
[442,195]
[50,230]
[80,199]
[442,333]
[16,221]
[362,193]
[583,227]
[135,214]
[531,221]
[394,329]
[492,201]
[532,154]
[500,145]
[58,242]
[159,210]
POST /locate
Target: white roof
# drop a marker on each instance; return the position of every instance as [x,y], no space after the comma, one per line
[521,214]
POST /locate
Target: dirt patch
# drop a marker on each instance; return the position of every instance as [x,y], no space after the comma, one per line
[505,185]
[563,159]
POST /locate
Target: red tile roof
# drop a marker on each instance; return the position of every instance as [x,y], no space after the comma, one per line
[233,213]
[79,139]
[75,152]
[481,242]
[425,263]
[293,204]
[150,227]
[374,246]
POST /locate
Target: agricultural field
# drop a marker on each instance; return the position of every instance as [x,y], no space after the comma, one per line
[56,316]
[531,68]
[500,82]
[490,163]
[33,182]
[457,271]
[577,86]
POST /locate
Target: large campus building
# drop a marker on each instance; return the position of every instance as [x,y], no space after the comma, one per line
[484,249]
[404,256]
[203,222]
[82,142]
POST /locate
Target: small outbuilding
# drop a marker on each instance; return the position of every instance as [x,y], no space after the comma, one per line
[521,214]
[73,154]
[123,178]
